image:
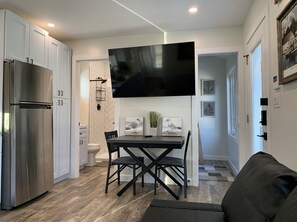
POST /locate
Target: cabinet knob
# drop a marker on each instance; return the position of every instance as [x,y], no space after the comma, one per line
[27,58]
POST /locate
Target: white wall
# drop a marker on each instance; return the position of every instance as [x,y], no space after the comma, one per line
[283,120]
[214,130]
[205,39]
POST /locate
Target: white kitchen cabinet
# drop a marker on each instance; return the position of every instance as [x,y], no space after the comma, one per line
[59,61]
[61,136]
[23,41]
[38,46]
[83,146]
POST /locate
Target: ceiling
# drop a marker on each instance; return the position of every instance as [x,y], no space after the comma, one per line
[80,19]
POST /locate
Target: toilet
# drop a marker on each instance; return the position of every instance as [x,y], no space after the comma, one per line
[93,149]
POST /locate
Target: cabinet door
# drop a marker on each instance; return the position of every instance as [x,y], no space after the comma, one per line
[61,136]
[53,64]
[64,123]
[56,137]
[16,37]
[38,46]
[65,73]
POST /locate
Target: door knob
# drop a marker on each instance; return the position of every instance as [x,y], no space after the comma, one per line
[264,136]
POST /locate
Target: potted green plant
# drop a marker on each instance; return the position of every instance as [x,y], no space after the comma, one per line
[154,116]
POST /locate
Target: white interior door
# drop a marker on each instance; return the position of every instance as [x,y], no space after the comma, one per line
[258,80]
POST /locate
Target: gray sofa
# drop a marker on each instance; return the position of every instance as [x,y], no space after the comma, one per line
[263,191]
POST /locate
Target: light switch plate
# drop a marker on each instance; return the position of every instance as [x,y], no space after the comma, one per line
[277,100]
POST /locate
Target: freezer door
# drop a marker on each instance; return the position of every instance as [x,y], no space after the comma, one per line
[29,83]
[32,152]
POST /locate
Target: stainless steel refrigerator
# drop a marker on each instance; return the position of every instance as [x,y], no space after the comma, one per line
[27,160]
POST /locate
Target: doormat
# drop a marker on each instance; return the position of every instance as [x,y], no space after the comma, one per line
[215,173]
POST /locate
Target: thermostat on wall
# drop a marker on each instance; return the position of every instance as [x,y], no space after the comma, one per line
[275,82]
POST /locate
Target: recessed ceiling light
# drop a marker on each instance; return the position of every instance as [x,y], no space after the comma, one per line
[193,10]
[51,25]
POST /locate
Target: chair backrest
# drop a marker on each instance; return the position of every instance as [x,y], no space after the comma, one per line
[109,135]
[187,145]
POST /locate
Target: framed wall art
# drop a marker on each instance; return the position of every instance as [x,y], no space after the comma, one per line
[287,43]
[207,87]
[172,126]
[208,109]
[134,126]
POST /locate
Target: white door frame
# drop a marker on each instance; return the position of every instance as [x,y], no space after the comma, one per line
[241,109]
[262,37]
[75,111]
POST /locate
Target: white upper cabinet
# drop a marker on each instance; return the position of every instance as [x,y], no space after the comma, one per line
[65,74]
[23,41]
[38,46]
[59,61]
[16,37]
[53,63]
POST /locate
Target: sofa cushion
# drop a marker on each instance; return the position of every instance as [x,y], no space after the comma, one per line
[186,205]
[288,212]
[177,215]
[259,190]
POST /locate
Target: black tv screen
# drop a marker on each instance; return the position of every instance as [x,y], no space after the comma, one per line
[156,70]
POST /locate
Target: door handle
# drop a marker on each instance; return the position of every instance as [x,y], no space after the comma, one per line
[58,102]
[264,136]
[61,102]
[58,92]
[61,92]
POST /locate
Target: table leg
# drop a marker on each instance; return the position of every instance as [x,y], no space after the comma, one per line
[147,169]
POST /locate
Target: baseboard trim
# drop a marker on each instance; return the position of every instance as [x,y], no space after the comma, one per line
[233,168]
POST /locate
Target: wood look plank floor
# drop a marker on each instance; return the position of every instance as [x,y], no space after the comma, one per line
[83,199]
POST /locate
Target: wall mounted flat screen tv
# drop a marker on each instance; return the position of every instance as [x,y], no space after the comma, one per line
[156,70]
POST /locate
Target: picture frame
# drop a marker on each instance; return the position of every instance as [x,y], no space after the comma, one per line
[171,126]
[207,87]
[287,43]
[134,126]
[208,108]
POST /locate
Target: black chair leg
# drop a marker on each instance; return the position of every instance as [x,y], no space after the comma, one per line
[119,182]
[156,170]
[142,179]
[134,184]
[107,177]
[185,181]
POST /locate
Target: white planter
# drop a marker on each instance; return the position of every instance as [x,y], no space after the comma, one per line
[153,131]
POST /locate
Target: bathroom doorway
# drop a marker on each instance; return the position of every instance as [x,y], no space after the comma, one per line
[97,107]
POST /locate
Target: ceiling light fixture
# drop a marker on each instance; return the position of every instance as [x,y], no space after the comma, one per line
[51,25]
[193,10]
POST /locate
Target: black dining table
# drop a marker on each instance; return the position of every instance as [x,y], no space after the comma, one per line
[143,143]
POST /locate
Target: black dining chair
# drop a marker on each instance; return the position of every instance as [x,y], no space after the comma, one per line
[121,162]
[177,165]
